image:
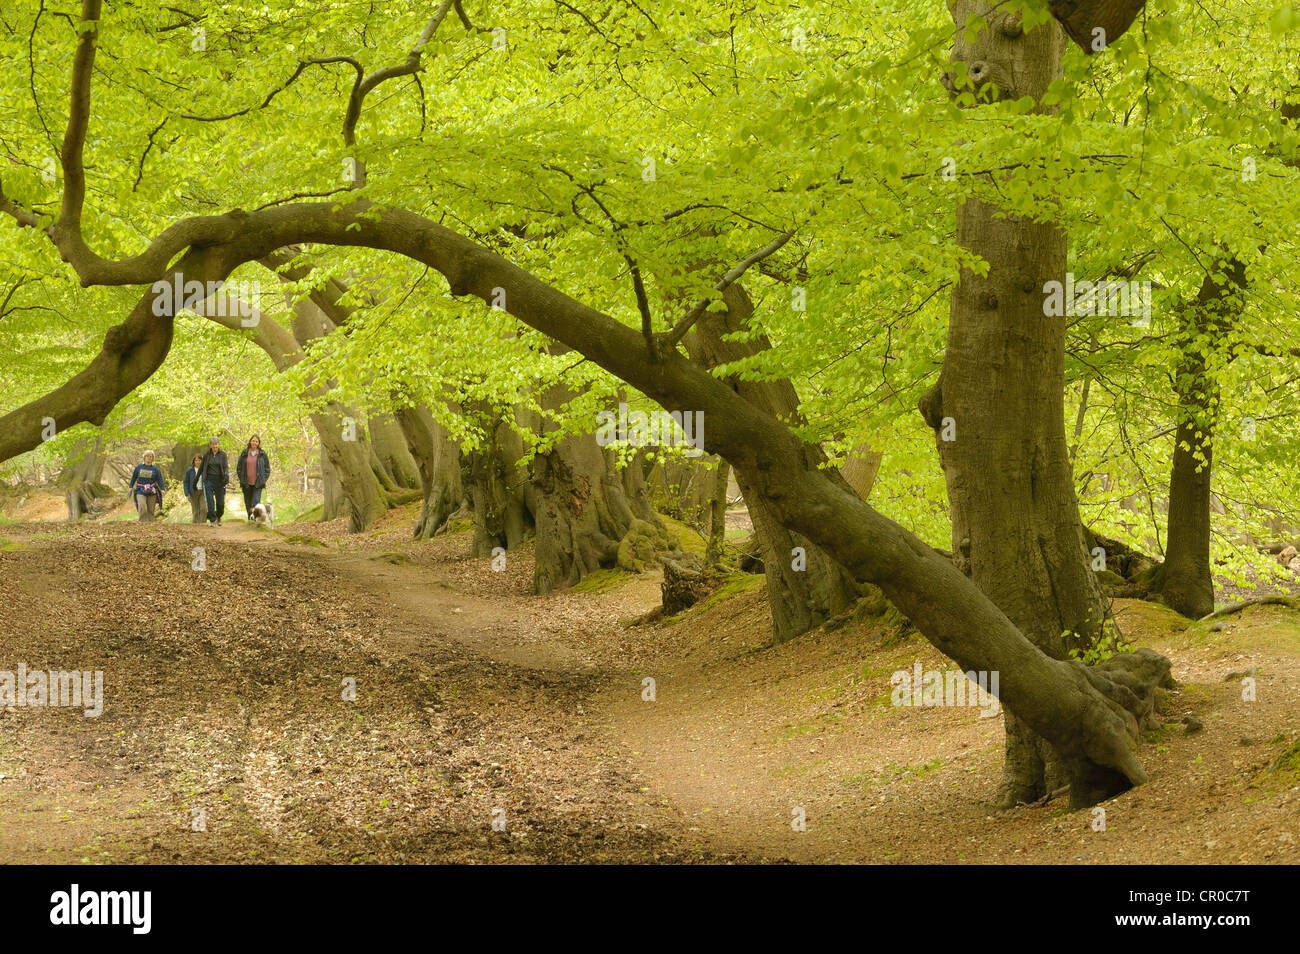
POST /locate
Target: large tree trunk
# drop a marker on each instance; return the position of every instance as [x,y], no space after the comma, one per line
[718,515]
[998,408]
[805,586]
[1183,580]
[355,486]
[82,477]
[438,458]
[580,511]
[497,487]
[390,445]
[342,432]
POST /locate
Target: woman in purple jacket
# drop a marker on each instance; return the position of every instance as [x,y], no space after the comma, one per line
[253,470]
[147,486]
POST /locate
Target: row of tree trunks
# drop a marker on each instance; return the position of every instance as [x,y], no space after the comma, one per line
[573,499]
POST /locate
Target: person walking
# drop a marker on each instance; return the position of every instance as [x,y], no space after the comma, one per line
[147,487]
[216,476]
[254,470]
[194,489]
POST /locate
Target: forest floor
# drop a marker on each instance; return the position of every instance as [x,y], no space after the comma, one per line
[475,701]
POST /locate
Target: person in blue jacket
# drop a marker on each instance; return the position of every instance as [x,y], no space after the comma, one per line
[147,486]
[194,489]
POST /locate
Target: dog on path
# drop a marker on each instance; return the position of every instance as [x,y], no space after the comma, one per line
[263,515]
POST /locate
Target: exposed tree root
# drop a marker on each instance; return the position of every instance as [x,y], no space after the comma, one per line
[1290,601]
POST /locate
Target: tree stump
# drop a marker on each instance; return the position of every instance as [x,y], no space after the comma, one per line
[684,585]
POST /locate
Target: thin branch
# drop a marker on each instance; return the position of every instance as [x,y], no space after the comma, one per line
[465,20]
[727,280]
[144,155]
[302,65]
[642,301]
[4,305]
[366,84]
[302,195]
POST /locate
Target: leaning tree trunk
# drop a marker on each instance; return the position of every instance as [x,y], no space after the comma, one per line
[998,408]
[438,457]
[1183,580]
[805,587]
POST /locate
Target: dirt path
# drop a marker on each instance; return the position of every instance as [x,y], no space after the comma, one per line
[224,703]
[476,700]
[746,739]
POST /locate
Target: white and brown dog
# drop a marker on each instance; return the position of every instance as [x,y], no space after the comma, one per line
[264,515]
